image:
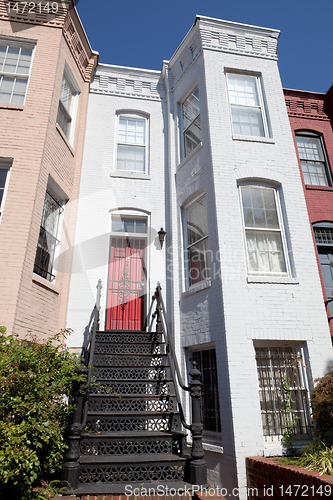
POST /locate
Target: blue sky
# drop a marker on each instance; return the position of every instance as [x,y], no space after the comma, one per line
[143,33]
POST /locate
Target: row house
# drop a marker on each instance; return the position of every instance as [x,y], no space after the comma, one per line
[200,153]
[310,116]
[46,65]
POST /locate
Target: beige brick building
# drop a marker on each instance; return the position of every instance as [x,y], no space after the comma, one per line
[46,65]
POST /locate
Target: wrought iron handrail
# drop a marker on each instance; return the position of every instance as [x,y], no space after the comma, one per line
[95,328]
[71,467]
[198,467]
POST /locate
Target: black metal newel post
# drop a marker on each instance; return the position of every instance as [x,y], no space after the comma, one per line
[198,468]
[71,468]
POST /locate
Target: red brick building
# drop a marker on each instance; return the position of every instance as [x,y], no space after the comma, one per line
[311,119]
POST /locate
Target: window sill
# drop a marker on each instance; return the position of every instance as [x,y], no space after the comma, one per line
[45,284]
[197,288]
[188,157]
[130,175]
[214,448]
[318,188]
[17,107]
[250,138]
[287,280]
[65,139]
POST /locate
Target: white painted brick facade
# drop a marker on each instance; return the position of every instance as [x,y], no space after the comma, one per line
[231,312]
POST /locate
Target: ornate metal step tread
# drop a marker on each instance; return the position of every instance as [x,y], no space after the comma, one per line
[139,396]
[138,435]
[124,414]
[155,458]
[119,488]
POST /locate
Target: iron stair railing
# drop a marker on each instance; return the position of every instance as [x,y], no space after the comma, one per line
[71,468]
[198,467]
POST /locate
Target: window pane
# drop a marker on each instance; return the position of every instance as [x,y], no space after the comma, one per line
[309,148]
[243,90]
[131,130]
[259,208]
[191,108]
[206,363]
[66,94]
[129,225]
[192,136]
[117,225]
[3,176]
[131,158]
[197,225]
[247,122]
[199,262]
[11,60]
[3,50]
[141,226]
[265,252]
[24,62]
[191,122]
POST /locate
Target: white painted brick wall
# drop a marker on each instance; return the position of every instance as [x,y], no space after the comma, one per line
[232,313]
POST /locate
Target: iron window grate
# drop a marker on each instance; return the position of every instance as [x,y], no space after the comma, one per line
[282,377]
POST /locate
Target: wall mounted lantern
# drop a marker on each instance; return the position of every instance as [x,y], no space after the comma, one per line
[161,236]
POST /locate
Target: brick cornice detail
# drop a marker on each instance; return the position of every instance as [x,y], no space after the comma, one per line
[309,108]
[36,19]
[85,64]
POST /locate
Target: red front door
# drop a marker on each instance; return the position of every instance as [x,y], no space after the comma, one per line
[126,288]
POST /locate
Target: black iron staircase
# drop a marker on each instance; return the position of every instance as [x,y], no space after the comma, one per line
[128,424]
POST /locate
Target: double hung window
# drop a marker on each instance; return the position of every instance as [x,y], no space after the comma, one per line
[48,241]
[265,242]
[15,62]
[206,363]
[132,141]
[247,106]
[313,159]
[191,122]
[198,260]
[4,175]
[283,386]
[67,107]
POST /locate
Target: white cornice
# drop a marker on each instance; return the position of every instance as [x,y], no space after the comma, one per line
[128,82]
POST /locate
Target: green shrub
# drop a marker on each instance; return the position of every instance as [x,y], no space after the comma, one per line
[322,406]
[318,457]
[34,413]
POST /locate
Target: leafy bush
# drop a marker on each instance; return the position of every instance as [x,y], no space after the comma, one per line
[318,457]
[34,413]
[322,406]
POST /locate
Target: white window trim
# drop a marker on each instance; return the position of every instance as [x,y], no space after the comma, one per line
[265,276]
[327,168]
[25,44]
[262,106]
[75,101]
[132,173]
[205,283]
[5,164]
[183,157]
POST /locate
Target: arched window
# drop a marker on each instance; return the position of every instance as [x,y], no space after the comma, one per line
[313,158]
[132,143]
[264,234]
